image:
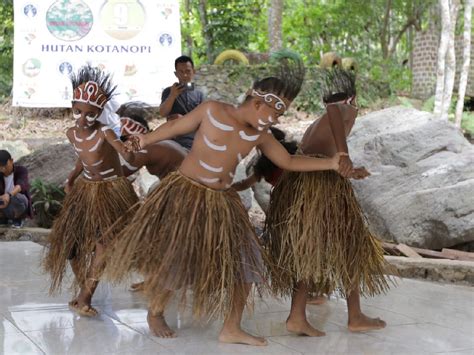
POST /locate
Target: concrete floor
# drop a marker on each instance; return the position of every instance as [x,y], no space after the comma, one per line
[422,317]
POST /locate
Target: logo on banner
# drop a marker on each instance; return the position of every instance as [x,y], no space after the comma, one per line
[65,68]
[69,20]
[166,40]
[32,67]
[30,10]
[122,19]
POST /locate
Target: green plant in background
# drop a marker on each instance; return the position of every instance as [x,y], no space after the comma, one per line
[6,48]
[47,201]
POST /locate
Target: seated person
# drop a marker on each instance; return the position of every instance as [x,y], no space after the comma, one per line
[15,202]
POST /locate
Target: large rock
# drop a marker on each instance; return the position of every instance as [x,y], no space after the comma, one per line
[422,189]
[17,149]
[50,163]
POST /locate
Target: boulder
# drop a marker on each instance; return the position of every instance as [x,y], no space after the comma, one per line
[17,149]
[421,191]
[50,163]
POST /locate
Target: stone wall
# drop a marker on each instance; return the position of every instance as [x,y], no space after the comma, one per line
[425,56]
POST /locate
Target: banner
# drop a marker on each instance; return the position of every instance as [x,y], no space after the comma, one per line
[135,40]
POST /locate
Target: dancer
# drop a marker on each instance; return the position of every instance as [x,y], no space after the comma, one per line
[315,228]
[97,200]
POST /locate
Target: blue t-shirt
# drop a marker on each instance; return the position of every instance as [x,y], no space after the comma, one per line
[184,103]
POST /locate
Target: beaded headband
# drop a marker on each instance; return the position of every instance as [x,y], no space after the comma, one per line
[90,93]
[272,100]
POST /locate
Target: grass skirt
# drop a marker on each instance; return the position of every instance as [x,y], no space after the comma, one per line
[89,210]
[316,232]
[188,235]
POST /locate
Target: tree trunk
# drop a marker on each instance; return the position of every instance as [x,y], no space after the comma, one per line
[450,62]
[189,38]
[442,50]
[202,7]
[466,60]
[275,35]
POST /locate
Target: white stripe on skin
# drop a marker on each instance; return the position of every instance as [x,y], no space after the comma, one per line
[219,148]
[218,124]
[111,177]
[91,136]
[105,128]
[76,148]
[261,128]
[77,138]
[106,172]
[76,115]
[210,168]
[98,163]
[143,151]
[96,146]
[239,157]
[248,138]
[87,176]
[129,166]
[207,180]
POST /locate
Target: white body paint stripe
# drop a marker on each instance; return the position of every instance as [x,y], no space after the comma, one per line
[218,124]
[107,171]
[208,180]
[143,151]
[87,176]
[210,168]
[239,157]
[246,137]
[111,177]
[219,148]
[261,128]
[96,146]
[125,163]
[76,148]
[98,163]
[263,123]
[91,137]
[77,138]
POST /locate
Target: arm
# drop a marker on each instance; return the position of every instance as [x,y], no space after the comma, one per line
[338,131]
[168,98]
[186,124]
[73,176]
[281,158]
[246,183]
[118,145]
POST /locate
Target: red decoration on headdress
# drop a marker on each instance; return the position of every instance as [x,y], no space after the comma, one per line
[90,93]
[129,126]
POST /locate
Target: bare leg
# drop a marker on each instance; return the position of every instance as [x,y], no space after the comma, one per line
[297,322]
[358,321]
[231,331]
[156,320]
[82,303]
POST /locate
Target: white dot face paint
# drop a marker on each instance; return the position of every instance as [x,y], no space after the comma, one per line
[76,116]
[219,148]
[91,118]
[217,124]
[211,168]
[96,146]
[261,128]
[248,138]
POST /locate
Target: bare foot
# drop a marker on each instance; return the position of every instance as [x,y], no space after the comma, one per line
[137,287]
[363,323]
[316,300]
[238,336]
[302,327]
[83,309]
[159,327]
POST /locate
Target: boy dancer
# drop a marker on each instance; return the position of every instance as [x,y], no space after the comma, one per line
[315,228]
[95,201]
[193,229]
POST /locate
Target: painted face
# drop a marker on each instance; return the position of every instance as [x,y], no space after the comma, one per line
[85,114]
[265,116]
[184,72]
[7,169]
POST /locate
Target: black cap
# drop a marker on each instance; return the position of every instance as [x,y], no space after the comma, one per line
[4,157]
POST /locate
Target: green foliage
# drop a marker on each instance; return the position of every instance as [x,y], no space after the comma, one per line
[6,48]
[47,201]
[467,123]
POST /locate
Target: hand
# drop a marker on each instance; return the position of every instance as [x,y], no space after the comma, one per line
[345,165]
[135,143]
[67,188]
[176,90]
[359,173]
[6,200]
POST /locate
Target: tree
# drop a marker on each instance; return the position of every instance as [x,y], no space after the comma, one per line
[275,14]
[6,47]
[466,61]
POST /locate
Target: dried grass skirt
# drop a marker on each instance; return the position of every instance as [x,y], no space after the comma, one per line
[88,211]
[188,235]
[316,232]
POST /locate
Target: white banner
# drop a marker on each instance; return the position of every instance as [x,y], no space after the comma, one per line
[135,40]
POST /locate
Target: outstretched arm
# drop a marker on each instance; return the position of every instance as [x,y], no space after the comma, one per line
[118,145]
[280,157]
[183,125]
[337,127]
